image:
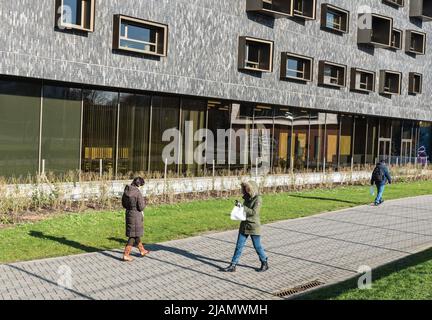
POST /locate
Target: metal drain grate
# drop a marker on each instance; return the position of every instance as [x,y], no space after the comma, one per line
[300,288]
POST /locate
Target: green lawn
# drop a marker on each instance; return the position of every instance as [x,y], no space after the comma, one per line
[407,279]
[86,232]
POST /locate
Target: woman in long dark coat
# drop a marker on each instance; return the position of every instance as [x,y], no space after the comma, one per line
[251,227]
[133,202]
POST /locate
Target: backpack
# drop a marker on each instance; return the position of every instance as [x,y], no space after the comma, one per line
[378,174]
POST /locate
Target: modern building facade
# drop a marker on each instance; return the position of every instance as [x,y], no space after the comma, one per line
[91,83]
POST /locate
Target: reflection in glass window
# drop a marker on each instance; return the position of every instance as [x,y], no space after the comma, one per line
[193,116]
[134,127]
[283,122]
[61,129]
[99,131]
[165,116]
[19,127]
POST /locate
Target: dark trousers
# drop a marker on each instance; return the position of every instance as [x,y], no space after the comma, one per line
[134,241]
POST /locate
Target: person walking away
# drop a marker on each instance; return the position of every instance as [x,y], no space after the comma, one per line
[250,227]
[380,176]
[134,203]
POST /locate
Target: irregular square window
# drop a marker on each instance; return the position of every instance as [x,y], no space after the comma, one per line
[362,80]
[305,9]
[421,9]
[255,54]
[332,74]
[396,40]
[334,18]
[75,14]
[273,8]
[415,42]
[296,67]
[375,30]
[415,83]
[141,36]
[390,82]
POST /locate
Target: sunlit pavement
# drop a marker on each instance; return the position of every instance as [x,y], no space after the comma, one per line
[328,247]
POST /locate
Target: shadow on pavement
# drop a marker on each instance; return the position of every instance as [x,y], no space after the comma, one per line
[333,291]
[215,263]
[326,199]
[72,244]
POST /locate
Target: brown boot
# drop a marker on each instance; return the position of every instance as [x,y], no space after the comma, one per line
[126,255]
[142,250]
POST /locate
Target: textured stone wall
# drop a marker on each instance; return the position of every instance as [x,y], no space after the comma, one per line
[202,53]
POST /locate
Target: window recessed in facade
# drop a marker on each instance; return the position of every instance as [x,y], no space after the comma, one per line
[255,54]
[415,83]
[334,18]
[375,30]
[273,8]
[396,40]
[296,67]
[390,82]
[305,9]
[75,14]
[421,9]
[415,42]
[332,74]
[140,36]
[362,80]
[397,3]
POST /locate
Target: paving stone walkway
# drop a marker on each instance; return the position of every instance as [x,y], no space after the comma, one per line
[328,247]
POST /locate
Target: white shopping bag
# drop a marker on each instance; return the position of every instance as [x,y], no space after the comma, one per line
[238,214]
[372,190]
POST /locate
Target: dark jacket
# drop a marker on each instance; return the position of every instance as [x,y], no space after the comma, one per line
[252,205]
[387,177]
[133,202]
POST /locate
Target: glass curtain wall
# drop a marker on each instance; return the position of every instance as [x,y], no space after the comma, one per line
[20,104]
[331,141]
[360,140]
[424,150]
[99,131]
[133,135]
[241,124]
[372,140]
[61,129]
[300,139]
[262,144]
[283,127]
[316,149]
[165,116]
[219,123]
[193,118]
[396,141]
[385,140]
[345,140]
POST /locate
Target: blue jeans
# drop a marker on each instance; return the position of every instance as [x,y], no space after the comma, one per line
[241,241]
[380,191]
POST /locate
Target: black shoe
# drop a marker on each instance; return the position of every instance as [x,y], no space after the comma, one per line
[264,266]
[230,268]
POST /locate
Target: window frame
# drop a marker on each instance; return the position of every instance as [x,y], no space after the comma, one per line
[117,37]
[243,54]
[353,84]
[383,78]
[400,40]
[325,8]
[408,42]
[412,84]
[284,65]
[417,10]
[366,36]
[70,26]
[259,7]
[321,73]
[301,14]
[395,3]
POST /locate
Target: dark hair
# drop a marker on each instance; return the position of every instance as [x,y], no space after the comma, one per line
[138,182]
